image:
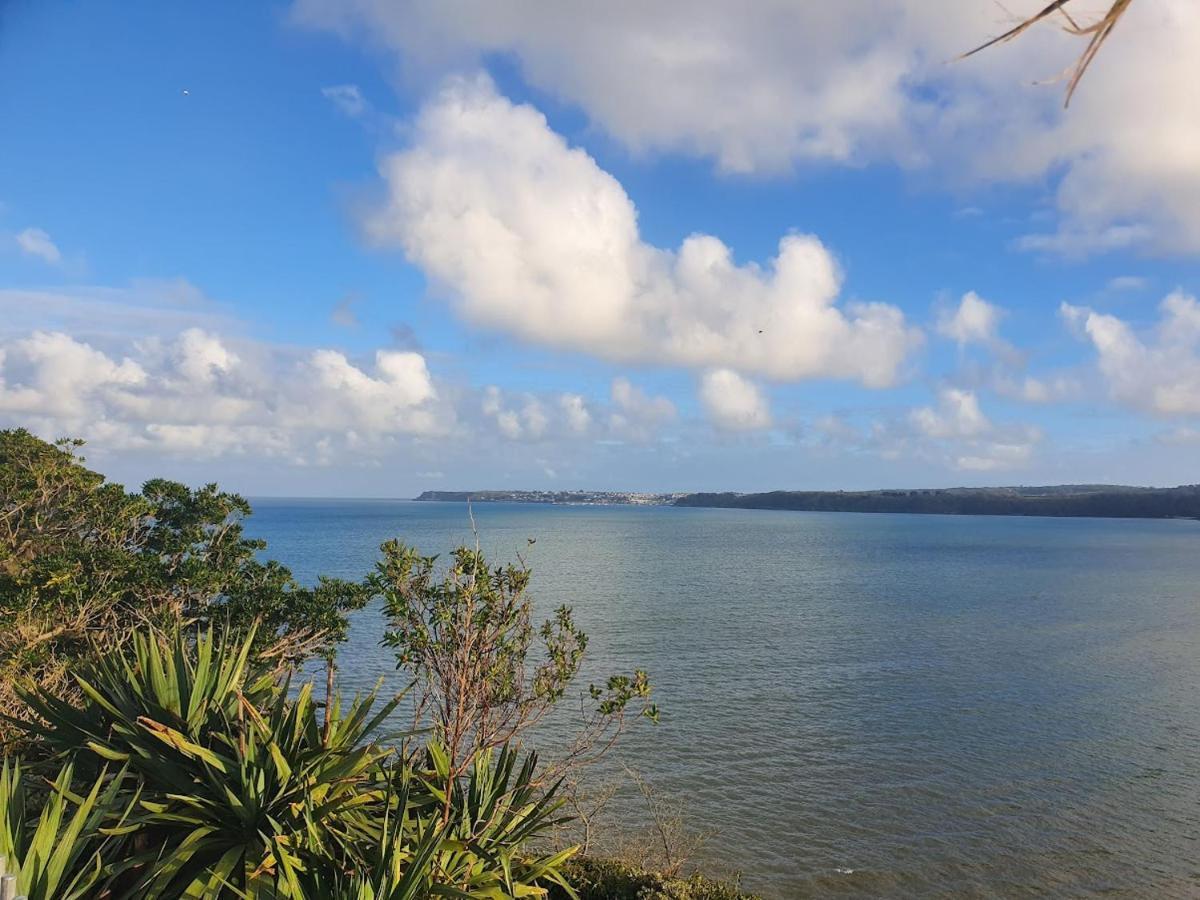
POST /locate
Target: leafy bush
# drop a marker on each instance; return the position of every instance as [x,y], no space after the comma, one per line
[230,794]
[81,559]
[144,672]
[601,879]
[482,671]
[233,787]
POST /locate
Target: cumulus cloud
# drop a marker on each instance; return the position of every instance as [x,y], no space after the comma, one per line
[49,373]
[973,321]
[956,415]
[635,409]
[530,236]
[574,407]
[35,242]
[957,429]
[395,398]
[525,417]
[631,414]
[854,82]
[195,394]
[201,357]
[1157,372]
[976,322]
[158,367]
[732,402]
[793,81]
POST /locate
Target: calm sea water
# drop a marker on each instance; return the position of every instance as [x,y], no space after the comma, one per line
[867,705]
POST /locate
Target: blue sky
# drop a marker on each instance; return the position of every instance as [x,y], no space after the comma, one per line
[368,248]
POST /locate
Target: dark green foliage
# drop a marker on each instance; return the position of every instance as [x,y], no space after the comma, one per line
[236,778]
[1111,501]
[81,558]
[232,787]
[144,669]
[483,674]
[57,852]
[602,879]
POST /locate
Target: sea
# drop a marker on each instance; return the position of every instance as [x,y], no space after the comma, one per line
[858,705]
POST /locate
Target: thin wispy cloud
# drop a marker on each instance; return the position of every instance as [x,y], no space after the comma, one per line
[36,243]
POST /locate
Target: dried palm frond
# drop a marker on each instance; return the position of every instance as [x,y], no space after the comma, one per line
[1097,33]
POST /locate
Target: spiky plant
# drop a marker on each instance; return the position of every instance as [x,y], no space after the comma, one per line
[240,782]
[236,787]
[59,852]
[495,815]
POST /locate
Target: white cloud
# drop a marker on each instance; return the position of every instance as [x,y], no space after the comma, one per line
[574,407]
[997,456]
[397,398]
[1053,388]
[195,395]
[56,375]
[1127,283]
[956,415]
[957,430]
[973,321]
[36,242]
[637,415]
[1157,372]
[531,237]
[201,357]
[853,82]
[732,402]
[346,97]
[634,403]
[524,417]
[792,81]
[145,307]
[630,415]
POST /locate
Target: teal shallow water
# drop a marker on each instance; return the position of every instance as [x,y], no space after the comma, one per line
[867,705]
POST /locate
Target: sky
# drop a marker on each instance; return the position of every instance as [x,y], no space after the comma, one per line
[375,247]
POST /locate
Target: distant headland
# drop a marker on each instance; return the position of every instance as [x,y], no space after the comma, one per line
[575,498]
[1099,500]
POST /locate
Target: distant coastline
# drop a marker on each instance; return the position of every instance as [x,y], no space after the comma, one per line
[562,498]
[1069,500]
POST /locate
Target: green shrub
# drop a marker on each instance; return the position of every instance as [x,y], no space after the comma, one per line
[602,879]
[483,671]
[59,855]
[82,557]
[233,787]
[144,667]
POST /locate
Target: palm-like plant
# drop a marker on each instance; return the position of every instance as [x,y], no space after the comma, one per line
[240,782]
[233,787]
[492,818]
[60,855]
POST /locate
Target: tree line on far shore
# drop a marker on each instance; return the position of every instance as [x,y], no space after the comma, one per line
[1106,501]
